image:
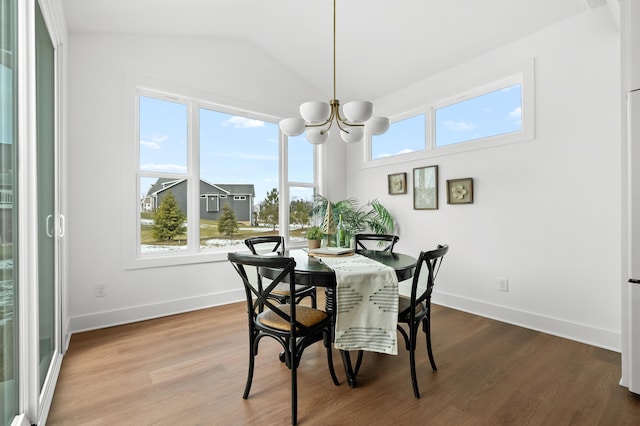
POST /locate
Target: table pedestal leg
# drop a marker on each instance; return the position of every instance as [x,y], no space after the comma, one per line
[349,371]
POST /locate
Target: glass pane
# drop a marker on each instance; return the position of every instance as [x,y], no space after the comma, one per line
[300,159]
[239,179]
[300,207]
[163,214]
[403,136]
[46,130]
[494,113]
[163,136]
[8,215]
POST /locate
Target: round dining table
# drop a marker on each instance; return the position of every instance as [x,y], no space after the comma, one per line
[310,270]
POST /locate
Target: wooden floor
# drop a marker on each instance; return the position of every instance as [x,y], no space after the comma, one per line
[190,369]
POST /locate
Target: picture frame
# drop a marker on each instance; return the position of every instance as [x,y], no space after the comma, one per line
[425,188]
[397,183]
[460,191]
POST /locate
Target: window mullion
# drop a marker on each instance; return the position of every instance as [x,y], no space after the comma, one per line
[193,165]
[284,185]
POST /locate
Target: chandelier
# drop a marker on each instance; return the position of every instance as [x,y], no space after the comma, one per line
[318,117]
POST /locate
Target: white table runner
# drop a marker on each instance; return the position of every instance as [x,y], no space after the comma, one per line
[367,304]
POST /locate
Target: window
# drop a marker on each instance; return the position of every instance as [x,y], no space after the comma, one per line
[495,113]
[404,136]
[199,168]
[163,174]
[300,188]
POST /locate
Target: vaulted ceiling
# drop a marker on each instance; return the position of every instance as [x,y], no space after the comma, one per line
[382,45]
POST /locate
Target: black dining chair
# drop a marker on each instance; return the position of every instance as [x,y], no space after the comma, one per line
[272,244]
[294,326]
[377,242]
[415,308]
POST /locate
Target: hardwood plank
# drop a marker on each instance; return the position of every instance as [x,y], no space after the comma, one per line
[190,369]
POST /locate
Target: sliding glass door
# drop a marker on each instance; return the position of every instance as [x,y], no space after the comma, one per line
[46,170]
[9,371]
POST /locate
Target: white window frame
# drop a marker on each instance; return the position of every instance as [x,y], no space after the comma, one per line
[286,185]
[485,142]
[136,86]
[522,74]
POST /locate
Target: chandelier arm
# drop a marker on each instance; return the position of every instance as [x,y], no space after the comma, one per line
[340,119]
[307,125]
[346,123]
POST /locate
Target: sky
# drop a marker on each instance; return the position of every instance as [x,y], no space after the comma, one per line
[491,114]
[241,150]
[233,149]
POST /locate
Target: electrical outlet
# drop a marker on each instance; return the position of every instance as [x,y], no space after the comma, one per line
[100,290]
[503,284]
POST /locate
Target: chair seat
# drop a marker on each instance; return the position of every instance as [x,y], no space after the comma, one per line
[308,317]
[283,289]
[403,304]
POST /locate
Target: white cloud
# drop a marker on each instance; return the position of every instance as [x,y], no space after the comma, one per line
[174,168]
[386,154]
[242,122]
[159,138]
[459,126]
[148,144]
[405,151]
[155,141]
[516,114]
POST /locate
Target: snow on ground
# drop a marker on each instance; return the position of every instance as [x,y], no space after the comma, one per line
[210,243]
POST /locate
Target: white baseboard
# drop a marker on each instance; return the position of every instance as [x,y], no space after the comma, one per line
[606,339]
[145,312]
[569,330]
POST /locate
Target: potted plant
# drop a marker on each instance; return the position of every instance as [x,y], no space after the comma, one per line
[314,235]
[373,216]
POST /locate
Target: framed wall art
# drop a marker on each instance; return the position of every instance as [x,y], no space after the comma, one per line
[398,183]
[460,191]
[425,188]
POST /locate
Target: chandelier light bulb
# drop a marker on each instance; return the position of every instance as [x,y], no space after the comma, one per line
[355,134]
[357,111]
[316,136]
[315,112]
[292,126]
[377,125]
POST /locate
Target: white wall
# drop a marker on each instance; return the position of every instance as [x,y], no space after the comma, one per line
[100,146]
[546,213]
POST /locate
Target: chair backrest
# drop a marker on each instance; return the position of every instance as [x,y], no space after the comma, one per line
[378,242]
[258,297]
[424,280]
[265,244]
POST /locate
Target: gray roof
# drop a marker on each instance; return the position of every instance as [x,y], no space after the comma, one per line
[228,188]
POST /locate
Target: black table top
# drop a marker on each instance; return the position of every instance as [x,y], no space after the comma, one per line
[311,271]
